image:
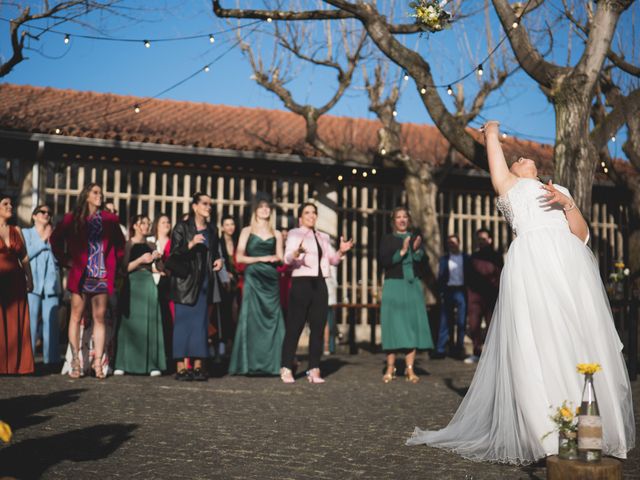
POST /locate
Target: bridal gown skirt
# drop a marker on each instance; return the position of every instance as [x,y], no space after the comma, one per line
[552,313]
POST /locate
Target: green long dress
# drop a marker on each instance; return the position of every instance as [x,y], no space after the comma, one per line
[140,347]
[258,342]
[403,314]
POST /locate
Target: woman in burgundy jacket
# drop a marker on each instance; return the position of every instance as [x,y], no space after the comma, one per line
[90,243]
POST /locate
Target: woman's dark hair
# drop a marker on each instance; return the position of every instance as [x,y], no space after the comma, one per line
[81,211]
[392,217]
[227,216]
[305,205]
[135,219]
[156,221]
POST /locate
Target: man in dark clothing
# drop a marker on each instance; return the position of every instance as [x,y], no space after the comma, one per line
[482,289]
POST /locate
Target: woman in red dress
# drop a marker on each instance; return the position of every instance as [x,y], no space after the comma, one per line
[16,355]
[90,242]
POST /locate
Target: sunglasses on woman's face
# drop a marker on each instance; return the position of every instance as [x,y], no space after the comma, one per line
[44,212]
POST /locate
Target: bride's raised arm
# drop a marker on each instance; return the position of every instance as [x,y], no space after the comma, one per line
[501,178]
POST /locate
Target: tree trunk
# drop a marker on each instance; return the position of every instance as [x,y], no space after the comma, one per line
[634,241]
[574,155]
[422,193]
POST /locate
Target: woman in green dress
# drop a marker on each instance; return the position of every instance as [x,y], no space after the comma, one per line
[260,331]
[403,314]
[140,347]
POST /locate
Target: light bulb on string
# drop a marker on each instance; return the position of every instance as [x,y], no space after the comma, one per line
[405,76]
[480,70]
[515,24]
[58,131]
[394,113]
[602,164]
[613,138]
[504,135]
[605,170]
[67,39]
[373,171]
[340,178]
[206,68]
[147,44]
[383,151]
[423,90]
[364,174]
[450,90]
[354,171]
[269,19]
[136,108]
[211,38]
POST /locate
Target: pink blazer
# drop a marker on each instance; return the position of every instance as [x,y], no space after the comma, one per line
[71,247]
[306,265]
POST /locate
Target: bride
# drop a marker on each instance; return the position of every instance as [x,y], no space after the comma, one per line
[552,313]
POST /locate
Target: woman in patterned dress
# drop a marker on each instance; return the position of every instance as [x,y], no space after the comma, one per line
[89,241]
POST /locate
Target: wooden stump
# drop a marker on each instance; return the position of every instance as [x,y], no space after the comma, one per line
[606,469]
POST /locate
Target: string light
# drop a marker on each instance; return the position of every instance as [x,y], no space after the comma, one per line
[374,171]
[206,68]
[354,171]
[147,44]
[364,174]
[394,113]
[211,38]
[405,76]
[136,108]
[340,178]
[605,170]
[57,131]
[269,19]
[67,39]
[423,90]
[504,135]
[383,151]
[449,90]
[515,24]
[603,164]
[480,70]
[613,138]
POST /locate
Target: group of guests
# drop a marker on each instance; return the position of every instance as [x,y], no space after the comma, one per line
[467,285]
[136,304]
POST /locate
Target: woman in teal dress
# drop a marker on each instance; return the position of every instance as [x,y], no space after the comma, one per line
[260,332]
[403,313]
[140,347]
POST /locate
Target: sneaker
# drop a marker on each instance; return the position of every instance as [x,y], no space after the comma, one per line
[472,359]
[155,373]
[118,372]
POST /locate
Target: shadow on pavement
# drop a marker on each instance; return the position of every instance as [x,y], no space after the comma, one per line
[32,458]
[21,412]
[460,391]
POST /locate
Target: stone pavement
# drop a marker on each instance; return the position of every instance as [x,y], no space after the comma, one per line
[354,426]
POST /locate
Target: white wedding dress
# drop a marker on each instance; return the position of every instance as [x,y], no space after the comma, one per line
[552,313]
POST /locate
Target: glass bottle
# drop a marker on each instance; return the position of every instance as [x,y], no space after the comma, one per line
[589,424]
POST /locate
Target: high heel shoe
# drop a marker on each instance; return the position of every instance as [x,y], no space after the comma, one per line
[286,375]
[75,370]
[313,376]
[389,375]
[409,375]
[98,371]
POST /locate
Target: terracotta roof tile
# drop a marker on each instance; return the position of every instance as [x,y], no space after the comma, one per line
[109,116]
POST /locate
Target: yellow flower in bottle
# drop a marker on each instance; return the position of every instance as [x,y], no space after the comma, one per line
[566,413]
[588,368]
[5,432]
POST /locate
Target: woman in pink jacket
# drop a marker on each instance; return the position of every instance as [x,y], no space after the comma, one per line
[89,242]
[309,254]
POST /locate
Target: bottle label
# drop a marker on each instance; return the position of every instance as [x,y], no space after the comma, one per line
[589,432]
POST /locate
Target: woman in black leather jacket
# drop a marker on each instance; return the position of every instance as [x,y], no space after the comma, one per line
[193,260]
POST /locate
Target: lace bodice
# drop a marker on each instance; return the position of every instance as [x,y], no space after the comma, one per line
[524,207]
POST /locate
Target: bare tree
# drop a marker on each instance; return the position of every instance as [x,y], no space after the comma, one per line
[422,179]
[60,13]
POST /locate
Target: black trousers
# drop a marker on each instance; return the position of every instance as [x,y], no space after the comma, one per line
[308,301]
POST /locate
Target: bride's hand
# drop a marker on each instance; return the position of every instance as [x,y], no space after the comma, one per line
[492,126]
[554,196]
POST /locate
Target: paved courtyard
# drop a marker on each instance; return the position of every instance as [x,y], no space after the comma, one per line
[354,426]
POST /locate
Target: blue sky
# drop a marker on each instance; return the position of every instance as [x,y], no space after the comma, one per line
[132,69]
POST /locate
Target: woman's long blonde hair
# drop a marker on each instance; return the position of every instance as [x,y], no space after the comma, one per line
[254,217]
